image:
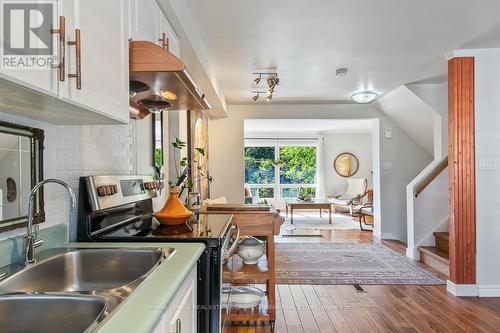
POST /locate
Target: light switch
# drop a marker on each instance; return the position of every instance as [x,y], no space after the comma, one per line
[387,165]
[388,133]
[487,164]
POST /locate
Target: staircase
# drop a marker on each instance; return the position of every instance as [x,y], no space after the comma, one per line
[437,256]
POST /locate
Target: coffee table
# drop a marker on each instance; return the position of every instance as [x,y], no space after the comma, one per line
[295,204]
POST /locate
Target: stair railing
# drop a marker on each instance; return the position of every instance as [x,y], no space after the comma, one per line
[440,167]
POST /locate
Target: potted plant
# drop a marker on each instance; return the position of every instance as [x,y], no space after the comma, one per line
[174,212]
[305,193]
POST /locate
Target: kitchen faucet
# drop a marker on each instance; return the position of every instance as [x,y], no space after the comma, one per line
[31,240]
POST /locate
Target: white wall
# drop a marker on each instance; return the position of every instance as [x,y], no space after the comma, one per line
[74,151]
[429,211]
[436,96]
[403,158]
[358,144]
[487,123]
[411,114]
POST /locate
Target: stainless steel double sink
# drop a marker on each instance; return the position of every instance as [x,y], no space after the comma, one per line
[72,290]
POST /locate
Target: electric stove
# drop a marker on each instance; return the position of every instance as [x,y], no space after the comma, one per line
[120,209]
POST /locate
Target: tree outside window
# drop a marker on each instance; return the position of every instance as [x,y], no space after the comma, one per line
[297,169]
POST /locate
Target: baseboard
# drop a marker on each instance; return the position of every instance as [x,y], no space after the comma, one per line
[383,235]
[413,254]
[462,290]
[387,235]
[488,290]
[473,290]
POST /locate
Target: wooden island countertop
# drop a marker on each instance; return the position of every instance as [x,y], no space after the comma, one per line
[260,221]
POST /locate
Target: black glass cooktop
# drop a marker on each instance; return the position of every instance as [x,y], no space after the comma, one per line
[200,226]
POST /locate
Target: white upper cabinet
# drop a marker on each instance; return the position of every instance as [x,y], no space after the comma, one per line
[97,75]
[144,20]
[41,79]
[173,40]
[93,85]
[149,23]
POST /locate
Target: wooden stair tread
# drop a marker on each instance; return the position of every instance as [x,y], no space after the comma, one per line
[442,241]
[443,235]
[436,253]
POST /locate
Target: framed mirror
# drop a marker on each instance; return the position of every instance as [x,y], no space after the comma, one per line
[157,140]
[198,138]
[346,164]
[21,168]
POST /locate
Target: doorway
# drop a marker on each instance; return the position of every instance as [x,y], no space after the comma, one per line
[293,159]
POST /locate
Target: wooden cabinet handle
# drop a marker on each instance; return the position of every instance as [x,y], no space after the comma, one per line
[62,47]
[78,74]
[164,41]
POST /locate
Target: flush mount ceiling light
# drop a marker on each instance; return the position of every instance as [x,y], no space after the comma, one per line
[364,96]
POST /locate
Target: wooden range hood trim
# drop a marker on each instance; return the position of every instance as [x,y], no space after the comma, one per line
[146,56]
[159,69]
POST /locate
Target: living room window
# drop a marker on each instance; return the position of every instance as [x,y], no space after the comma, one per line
[276,169]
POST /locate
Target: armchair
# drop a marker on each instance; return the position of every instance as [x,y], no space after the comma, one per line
[356,190]
[362,211]
[248,195]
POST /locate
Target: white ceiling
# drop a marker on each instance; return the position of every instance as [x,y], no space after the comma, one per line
[489,39]
[383,43]
[308,126]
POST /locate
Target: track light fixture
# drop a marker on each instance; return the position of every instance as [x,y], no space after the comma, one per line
[257,80]
[272,82]
[271,79]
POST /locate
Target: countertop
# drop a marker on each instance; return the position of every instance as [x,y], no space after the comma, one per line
[139,313]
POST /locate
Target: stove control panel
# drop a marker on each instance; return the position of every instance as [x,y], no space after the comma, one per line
[151,185]
[112,191]
[105,190]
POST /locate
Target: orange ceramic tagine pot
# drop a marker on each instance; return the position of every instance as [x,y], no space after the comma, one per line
[174,212]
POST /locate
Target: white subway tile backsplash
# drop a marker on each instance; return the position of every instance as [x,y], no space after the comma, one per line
[75,151]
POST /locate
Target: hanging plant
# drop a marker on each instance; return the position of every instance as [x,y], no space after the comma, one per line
[278,163]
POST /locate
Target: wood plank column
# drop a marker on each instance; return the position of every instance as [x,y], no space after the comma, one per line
[461,167]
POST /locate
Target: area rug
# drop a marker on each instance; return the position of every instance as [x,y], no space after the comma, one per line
[308,221]
[346,263]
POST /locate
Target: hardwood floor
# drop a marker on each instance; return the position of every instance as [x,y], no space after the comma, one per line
[388,308]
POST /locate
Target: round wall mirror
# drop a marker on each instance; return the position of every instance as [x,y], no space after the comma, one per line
[346,164]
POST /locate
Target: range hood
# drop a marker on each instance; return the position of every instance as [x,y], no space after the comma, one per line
[159,81]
